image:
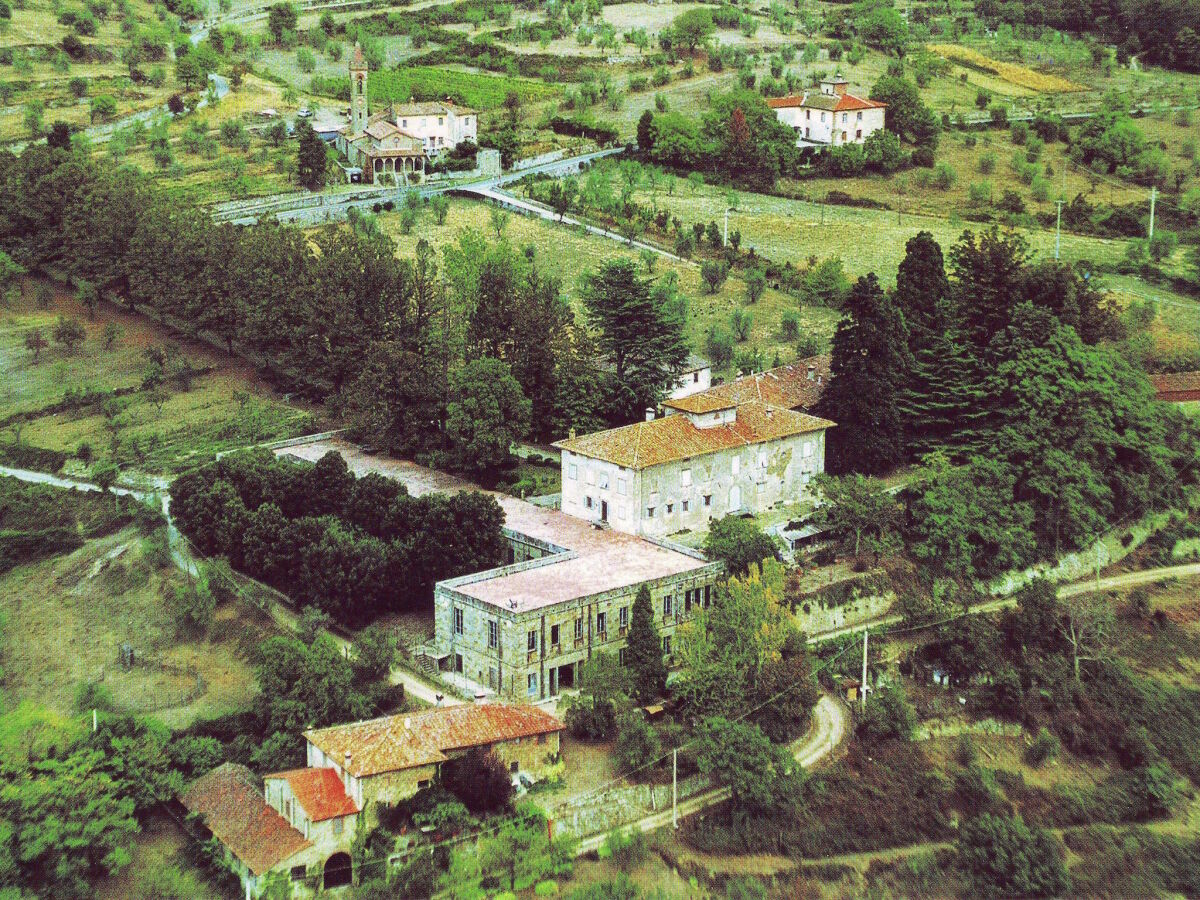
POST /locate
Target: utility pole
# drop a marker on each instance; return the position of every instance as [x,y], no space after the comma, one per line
[675,788]
[1153,197]
[1058,229]
[863,692]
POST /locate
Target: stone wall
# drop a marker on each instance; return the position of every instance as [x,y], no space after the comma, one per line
[620,806]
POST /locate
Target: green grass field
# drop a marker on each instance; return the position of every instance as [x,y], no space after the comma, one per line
[571,254]
[228,408]
[867,240]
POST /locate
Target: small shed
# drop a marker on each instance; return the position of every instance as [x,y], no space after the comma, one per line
[850,688]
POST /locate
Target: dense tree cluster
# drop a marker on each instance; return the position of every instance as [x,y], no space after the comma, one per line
[745,656]
[1160,32]
[1006,366]
[738,125]
[335,311]
[352,547]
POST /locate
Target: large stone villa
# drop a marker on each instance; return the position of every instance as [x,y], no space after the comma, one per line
[829,116]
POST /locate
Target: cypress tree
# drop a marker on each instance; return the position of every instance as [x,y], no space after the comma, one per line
[870,367]
[923,290]
[643,650]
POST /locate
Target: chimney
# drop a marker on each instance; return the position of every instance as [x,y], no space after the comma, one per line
[840,86]
[571,434]
[812,372]
[649,413]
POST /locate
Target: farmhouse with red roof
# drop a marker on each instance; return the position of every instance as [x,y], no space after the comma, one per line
[830,116]
[300,825]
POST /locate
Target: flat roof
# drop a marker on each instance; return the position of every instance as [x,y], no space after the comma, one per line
[597,560]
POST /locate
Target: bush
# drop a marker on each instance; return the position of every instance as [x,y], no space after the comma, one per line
[1043,749]
[888,716]
[741,322]
[713,273]
[944,177]
[924,157]
[789,325]
[480,780]
[1003,856]
[987,163]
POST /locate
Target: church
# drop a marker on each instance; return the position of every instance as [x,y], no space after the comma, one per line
[394,146]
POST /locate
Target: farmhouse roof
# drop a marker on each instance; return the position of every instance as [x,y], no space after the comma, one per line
[827,102]
[319,792]
[1172,383]
[230,800]
[797,385]
[403,741]
[672,438]
[432,108]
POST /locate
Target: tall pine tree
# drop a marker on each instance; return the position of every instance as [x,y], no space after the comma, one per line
[643,650]
[870,366]
[639,335]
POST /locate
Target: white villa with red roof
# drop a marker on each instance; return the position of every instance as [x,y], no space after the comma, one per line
[830,116]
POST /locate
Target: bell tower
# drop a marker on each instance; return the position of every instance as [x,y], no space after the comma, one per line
[358,92]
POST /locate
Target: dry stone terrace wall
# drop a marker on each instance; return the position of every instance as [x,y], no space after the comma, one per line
[617,807]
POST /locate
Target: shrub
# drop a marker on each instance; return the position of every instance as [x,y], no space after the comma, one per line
[987,163]
[944,177]
[980,193]
[1043,749]
[923,157]
[1003,856]
[1020,133]
[1040,189]
[888,716]
[789,325]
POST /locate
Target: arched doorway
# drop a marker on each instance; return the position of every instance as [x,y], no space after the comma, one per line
[338,870]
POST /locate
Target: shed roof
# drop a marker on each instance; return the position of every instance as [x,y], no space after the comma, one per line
[403,741]
[230,800]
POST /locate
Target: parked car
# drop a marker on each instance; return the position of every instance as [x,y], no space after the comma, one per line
[304,112]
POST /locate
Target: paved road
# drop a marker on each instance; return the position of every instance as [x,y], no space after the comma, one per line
[1090,586]
[313,208]
[829,727]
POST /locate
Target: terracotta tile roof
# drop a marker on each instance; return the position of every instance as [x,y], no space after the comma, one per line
[675,437]
[787,386]
[1174,382]
[381,129]
[851,102]
[828,102]
[701,402]
[319,792]
[230,799]
[434,108]
[403,741]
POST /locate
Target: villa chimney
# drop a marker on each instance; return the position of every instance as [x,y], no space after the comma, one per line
[571,434]
[812,372]
[649,413]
